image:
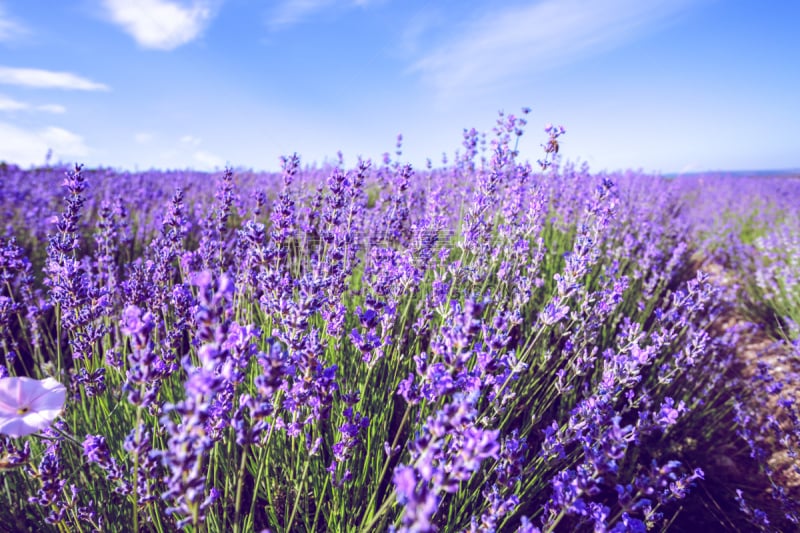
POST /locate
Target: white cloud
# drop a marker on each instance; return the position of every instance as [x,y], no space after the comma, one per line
[292,11]
[33,77]
[522,39]
[10,29]
[208,161]
[191,140]
[143,137]
[9,104]
[29,147]
[160,24]
[52,108]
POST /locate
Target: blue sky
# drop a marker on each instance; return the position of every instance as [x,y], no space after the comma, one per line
[661,85]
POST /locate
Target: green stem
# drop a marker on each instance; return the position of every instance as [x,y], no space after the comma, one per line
[240,488]
[59,355]
[135,494]
[297,496]
[385,468]
[384,508]
[261,465]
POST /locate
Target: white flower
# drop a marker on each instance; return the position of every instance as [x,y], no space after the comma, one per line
[29,405]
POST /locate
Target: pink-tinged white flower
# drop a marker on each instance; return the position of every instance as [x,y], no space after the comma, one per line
[29,405]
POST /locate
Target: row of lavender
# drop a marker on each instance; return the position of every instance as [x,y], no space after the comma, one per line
[757,239]
[482,346]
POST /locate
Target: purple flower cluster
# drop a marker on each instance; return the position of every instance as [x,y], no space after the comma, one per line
[448,451]
[482,346]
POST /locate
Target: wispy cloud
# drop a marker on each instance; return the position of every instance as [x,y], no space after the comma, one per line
[521,39]
[10,28]
[293,11]
[417,29]
[30,147]
[161,24]
[187,152]
[191,140]
[208,161]
[51,108]
[9,104]
[32,77]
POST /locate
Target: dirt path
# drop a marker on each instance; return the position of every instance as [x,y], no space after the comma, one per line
[766,374]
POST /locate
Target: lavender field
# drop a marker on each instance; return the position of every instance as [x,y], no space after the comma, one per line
[485,344]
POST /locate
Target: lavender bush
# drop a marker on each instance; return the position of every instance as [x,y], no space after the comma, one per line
[481,346]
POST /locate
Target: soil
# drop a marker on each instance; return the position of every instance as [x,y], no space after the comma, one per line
[755,346]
